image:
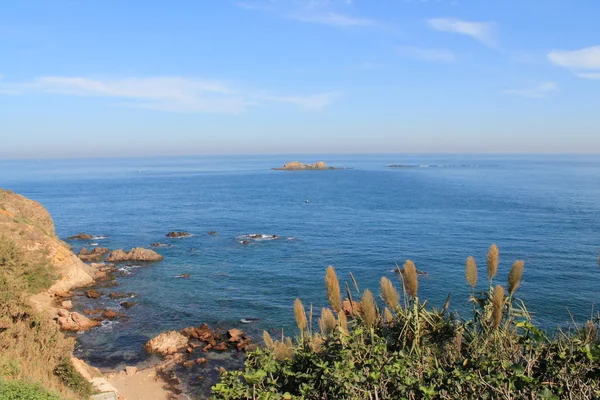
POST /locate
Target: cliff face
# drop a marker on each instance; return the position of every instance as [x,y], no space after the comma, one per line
[29,225]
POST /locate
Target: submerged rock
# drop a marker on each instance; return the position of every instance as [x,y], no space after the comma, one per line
[135,254]
[178,234]
[166,343]
[120,295]
[128,304]
[158,244]
[212,232]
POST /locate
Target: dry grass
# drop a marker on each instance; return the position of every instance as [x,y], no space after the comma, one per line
[327,322]
[493,258]
[300,315]
[268,340]
[369,308]
[283,350]
[514,278]
[471,272]
[333,289]
[31,346]
[387,316]
[343,322]
[410,279]
[497,306]
[390,294]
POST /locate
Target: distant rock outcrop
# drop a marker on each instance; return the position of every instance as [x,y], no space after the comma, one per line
[296,166]
[81,236]
[178,234]
[135,254]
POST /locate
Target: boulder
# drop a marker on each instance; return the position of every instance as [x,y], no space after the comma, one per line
[178,234]
[350,309]
[235,335]
[201,360]
[128,304]
[157,244]
[203,333]
[93,311]
[212,232]
[110,314]
[135,254]
[72,321]
[81,236]
[94,255]
[119,295]
[220,347]
[67,304]
[130,371]
[166,343]
[189,364]
[93,294]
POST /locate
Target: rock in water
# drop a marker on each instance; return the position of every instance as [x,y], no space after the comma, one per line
[92,256]
[166,343]
[135,254]
[81,236]
[75,322]
[295,166]
[178,234]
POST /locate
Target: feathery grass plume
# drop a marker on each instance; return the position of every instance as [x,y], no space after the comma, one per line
[493,257]
[410,278]
[327,321]
[369,308]
[343,322]
[316,344]
[514,278]
[387,316]
[268,340]
[354,282]
[300,315]
[471,272]
[283,350]
[333,289]
[389,293]
[497,306]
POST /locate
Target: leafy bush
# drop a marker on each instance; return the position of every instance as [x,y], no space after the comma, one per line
[72,379]
[20,390]
[406,350]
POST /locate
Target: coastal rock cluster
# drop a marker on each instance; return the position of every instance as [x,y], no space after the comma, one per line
[135,254]
[296,166]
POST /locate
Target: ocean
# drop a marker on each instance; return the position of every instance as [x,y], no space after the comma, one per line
[544,210]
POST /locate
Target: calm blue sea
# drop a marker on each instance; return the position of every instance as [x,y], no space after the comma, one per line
[542,209]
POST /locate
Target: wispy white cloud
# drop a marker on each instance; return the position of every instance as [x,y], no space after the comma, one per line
[539,91]
[175,94]
[334,19]
[325,12]
[484,32]
[435,55]
[585,63]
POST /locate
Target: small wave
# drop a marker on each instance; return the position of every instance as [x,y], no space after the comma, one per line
[92,244]
[258,237]
[107,325]
[126,270]
[100,237]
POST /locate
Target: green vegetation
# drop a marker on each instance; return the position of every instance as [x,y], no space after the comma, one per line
[32,349]
[20,390]
[406,350]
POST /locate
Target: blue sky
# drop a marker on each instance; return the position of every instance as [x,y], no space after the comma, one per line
[117,78]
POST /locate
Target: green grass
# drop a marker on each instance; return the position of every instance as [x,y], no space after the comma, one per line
[21,390]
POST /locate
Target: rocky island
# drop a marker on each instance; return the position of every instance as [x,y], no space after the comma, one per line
[298,166]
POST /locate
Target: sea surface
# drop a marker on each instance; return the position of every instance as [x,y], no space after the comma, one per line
[544,210]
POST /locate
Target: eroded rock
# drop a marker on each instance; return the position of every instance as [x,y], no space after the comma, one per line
[72,321]
[166,343]
[135,254]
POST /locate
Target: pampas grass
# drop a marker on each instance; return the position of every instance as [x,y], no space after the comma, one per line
[369,308]
[300,315]
[268,340]
[471,272]
[493,257]
[410,279]
[389,293]
[497,306]
[343,322]
[514,278]
[327,322]
[387,316]
[333,289]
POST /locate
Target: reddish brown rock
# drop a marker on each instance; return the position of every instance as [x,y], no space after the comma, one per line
[189,364]
[75,322]
[67,304]
[92,312]
[81,236]
[201,360]
[222,346]
[110,314]
[93,294]
[94,255]
[202,333]
[167,343]
[135,254]
[350,309]
[235,335]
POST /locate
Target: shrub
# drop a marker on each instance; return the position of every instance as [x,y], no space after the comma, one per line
[416,352]
[21,390]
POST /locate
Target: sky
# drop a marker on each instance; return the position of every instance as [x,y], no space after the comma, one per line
[137,78]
